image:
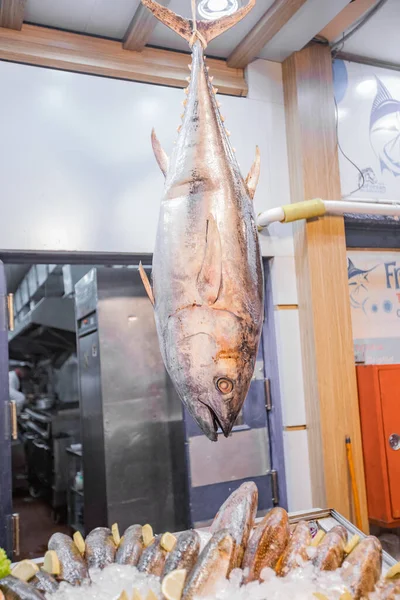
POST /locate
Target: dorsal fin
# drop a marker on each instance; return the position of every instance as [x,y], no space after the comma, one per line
[208,30]
[159,153]
[254,174]
[209,278]
[146,283]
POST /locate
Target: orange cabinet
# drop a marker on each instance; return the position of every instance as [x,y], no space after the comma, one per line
[379,400]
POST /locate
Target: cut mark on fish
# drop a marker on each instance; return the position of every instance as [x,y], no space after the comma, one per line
[209,278]
[160,154]
[146,283]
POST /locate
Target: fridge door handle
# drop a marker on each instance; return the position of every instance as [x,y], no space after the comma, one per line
[10,307]
[16,534]
[14,422]
[394,441]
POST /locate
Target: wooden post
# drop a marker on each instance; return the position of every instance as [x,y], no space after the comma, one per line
[321,270]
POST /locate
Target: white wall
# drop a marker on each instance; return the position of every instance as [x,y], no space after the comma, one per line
[265,86]
[77,173]
[76,164]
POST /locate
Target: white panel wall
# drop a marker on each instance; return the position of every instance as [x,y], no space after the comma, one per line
[77,173]
[265,86]
[85,177]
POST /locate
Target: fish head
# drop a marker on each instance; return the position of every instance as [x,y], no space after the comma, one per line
[210,358]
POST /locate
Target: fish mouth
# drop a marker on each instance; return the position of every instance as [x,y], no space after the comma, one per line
[209,420]
[225,425]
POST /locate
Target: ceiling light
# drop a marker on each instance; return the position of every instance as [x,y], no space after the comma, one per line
[213,9]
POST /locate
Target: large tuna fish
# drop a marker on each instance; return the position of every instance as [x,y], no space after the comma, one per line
[207,271]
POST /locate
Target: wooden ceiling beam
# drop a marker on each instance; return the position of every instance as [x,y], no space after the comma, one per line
[67,51]
[267,27]
[12,13]
[140,28]
[345,19]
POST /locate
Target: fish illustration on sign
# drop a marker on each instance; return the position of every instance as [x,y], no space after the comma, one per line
[385,129]
[207,276]
[358,281]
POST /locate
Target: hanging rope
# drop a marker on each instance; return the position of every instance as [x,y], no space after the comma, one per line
[194,16]
[196,35]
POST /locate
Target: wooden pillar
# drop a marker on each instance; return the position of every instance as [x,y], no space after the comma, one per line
[321,270]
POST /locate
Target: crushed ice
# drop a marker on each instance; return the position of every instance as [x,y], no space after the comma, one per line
[108,584]
[300,584]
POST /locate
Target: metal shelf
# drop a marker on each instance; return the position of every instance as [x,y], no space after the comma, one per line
[74,452]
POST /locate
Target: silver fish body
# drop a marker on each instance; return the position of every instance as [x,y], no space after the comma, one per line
[153,557]
[73,566]
[207,267]
[15,589]
[185,553]
[100,548]
[44,582]
[212,566]
[237,515]
[130,547]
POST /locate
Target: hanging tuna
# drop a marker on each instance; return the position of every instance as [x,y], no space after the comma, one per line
[207,277]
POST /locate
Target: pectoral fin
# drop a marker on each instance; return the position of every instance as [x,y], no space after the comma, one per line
[210,276]
[254,174]
[160,154]
[146,283]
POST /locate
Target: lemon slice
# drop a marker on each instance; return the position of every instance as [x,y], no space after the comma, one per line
[136,595]
[79,542]
[172,584]
[51,563]
[147,535]
[346,596]
[393,571]
[317,538]
[123,596]
[168,541]
[351,544]
[320,596]
[151,595]
[115,534]
[25,570]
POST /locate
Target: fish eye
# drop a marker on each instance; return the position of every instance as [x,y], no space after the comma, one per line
[224,385]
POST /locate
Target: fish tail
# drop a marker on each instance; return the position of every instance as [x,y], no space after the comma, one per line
[190,29]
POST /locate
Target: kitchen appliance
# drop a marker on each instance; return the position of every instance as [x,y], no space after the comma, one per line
[46,435]
[44,403]
[127,407]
